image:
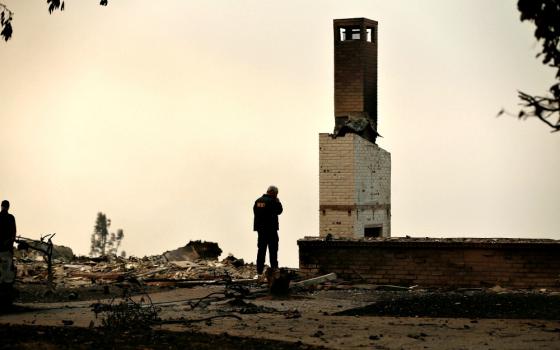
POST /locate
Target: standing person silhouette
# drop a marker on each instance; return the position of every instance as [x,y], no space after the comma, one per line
[266,210]
[7,269]
[7,228]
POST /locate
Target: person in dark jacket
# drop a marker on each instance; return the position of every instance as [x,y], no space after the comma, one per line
[7,269]
[7,228]
[266,211]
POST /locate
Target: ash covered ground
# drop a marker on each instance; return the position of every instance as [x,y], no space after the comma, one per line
[188,299]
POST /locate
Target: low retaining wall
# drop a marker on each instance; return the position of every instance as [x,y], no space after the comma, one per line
[518,263]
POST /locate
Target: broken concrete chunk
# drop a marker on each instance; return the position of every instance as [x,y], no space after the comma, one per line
[232,260]
[195,250]
[358,123]
[63,253]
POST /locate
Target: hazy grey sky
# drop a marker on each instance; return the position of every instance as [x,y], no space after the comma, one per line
[173,116]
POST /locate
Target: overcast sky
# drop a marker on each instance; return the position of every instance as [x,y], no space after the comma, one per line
[172,117]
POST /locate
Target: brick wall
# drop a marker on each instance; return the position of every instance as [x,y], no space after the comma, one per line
[372,187]
[354,186]
[430,262]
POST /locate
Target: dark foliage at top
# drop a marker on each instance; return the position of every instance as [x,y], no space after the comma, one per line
[5,22]
[55,5]
[545,14]
[6,16]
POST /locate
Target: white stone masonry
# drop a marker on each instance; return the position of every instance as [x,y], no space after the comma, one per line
[354,187]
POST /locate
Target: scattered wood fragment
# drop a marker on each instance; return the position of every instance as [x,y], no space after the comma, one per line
[188,321]
[180,283]
[153,271]
[185,283]
[315,280]
[207,298]
[300,284]
[469,289]
[100,275]
[392,288]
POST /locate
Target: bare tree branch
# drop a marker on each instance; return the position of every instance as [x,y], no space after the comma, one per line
[545,15]
[542,108]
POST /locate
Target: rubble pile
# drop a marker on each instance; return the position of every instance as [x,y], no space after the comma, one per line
[197,261]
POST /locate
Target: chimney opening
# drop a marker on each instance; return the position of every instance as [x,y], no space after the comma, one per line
[369,34]
[349,33]
[373,232]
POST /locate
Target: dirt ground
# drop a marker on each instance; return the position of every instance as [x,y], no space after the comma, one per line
[337,316]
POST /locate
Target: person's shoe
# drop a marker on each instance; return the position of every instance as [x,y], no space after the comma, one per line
[260,278]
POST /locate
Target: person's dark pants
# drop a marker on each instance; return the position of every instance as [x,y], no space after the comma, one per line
[267,239]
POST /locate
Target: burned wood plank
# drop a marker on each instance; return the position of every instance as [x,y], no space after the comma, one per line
[315,280]
[186,283]
[100,275]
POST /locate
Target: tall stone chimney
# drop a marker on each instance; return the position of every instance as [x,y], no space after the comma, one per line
[355,76]
[354,172]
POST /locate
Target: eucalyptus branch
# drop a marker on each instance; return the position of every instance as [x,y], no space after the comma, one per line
[5,8]
[6,22]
